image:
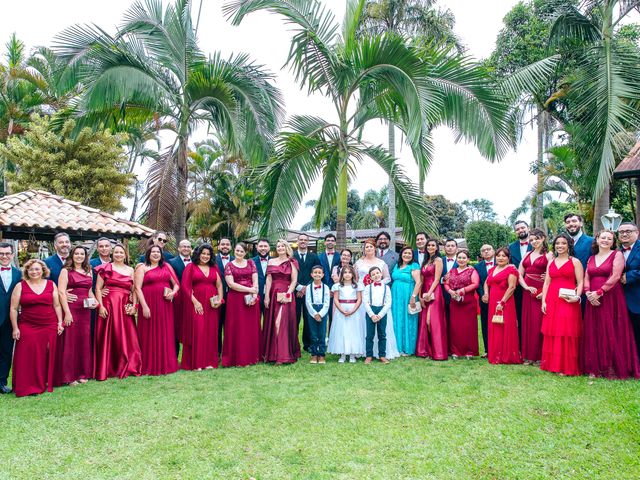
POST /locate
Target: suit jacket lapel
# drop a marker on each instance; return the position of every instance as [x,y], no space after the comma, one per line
[634,252]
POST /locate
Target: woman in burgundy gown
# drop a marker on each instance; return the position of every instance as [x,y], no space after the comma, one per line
[561,323]
[499,287]
[461,284]
[74,358]
[608,348]
[241,345]
[156,286]
[532,270]
[432,326]
[201,283]
[279,341]
[116,350]
[35,330]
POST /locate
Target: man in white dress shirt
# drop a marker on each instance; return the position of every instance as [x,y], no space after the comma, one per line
[10,276]
[382,251]
[262,260]
[421,250]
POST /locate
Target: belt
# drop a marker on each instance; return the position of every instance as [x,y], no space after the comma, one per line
[347,301]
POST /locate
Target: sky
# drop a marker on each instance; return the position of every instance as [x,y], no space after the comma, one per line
[458,171]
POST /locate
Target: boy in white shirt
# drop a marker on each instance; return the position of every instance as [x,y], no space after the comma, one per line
[317,301]
[377,302]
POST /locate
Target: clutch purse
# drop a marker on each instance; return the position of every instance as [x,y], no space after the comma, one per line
[166,291]
[283,297]
[497,318]
[214,301]
[249,299]
[413,311]
[567,293]
[129,309]
[89,302]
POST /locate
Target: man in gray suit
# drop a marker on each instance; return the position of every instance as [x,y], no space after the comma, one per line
[390,257]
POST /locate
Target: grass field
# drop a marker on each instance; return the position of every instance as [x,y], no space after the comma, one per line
[414,418]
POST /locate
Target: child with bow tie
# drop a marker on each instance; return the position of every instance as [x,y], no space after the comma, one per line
[377,302]
[317,298]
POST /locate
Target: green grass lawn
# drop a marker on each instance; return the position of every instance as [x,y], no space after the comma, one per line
[413,418]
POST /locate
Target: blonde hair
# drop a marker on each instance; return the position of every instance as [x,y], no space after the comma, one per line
[25,269]
[286,246]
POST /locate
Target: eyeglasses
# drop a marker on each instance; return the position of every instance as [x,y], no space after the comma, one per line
[6,254]
[625,232]
[163,240]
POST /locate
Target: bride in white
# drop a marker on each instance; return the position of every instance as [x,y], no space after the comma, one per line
[362,267]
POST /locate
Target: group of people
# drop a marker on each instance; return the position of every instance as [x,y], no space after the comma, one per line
[573,308]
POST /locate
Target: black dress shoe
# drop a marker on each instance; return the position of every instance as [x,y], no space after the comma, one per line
[4,389]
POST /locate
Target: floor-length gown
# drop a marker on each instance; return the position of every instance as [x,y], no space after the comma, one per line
[405,324]
[200,331]
[74,358]
[34,355]
[463,315]
[531,328]
[608,347]
[503,337]
[561,325]
[348,333]
[432,327]
[116,351]
[363,279]
[279,340]
[241,344]
[157,333]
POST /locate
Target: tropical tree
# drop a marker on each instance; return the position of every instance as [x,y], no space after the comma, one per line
[366,77]
[480,209]
[604,91]
[152,71]
[409,18]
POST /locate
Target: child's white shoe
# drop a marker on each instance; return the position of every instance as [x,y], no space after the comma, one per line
[352,359]
[342,358]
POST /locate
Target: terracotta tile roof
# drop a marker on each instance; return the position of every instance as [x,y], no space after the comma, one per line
[40,209]
[630,166]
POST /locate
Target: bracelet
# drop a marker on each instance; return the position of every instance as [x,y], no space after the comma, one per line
[600,292]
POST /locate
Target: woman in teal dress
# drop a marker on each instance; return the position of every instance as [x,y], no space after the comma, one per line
[404,292]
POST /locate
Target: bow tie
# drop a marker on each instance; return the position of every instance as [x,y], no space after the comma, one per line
[317,286]
[264,259]
[64,259]
[524,243]
[377,284]
[489,264]
[421,251]
[224,257]
[626,249]
[4,268]
[186,260]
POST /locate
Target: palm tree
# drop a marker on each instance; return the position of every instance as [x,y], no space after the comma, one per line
[409,18]
[604,93]
[365,77]
[152,71]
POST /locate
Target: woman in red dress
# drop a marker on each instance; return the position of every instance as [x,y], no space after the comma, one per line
[279,341]
[202,287]
[35,330]
[561,324]
[156,285]
[241,345]
[532,270]
[608,348]
[74,358]
[116,351]
[432,326]
[461,284]
[499,287]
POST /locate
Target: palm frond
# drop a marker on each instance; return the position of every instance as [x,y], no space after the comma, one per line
[162,191]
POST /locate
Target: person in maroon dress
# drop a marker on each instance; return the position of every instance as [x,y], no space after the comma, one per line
[562,322]
[432,326]
[499,288]
[35,330]
[608,348]
[461,284]
[74,358]
[202,285]
[241,344]
[532,269]
[156,286]
[116,349]
[279,340]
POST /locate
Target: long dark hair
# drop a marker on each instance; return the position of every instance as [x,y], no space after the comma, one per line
[349,268]
[68,264]
[147,255]
[570,243]
[430,259]
[195,256]
[536,232]
[400,261]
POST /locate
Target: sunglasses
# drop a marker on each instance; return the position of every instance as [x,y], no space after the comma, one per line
[163,240]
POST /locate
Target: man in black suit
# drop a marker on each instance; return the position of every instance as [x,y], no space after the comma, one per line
[261,260]
[104,256]
[487,262]
[62,246]
[9,276]
[449,262]
[306,260]
[178,263]
[518,250]
[222,258]
[159,239]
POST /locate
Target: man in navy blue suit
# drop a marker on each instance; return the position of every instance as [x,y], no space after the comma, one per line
[630,246]
[222,258]
[306,261]
[329,259]
[62,246]
[449,262]
[518,250]
[104,254]
[581,241]
[262,260]
[10,277]
[421,247]
[487,262]
[178,263]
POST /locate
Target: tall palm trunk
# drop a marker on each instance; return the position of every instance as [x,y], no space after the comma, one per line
[136,196]
[341,201]
[183,172]
[637,201]
[601,207]
[391,189]
[538,213]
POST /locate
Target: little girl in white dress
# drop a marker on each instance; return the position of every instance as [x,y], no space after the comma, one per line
[348,331]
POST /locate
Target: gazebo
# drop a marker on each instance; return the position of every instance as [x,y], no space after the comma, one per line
[629,168]
[36,215]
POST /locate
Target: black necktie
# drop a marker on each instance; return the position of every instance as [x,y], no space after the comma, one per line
[302,257]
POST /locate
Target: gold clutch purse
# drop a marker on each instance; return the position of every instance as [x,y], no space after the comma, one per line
[497,318]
